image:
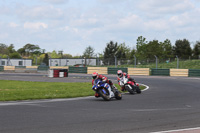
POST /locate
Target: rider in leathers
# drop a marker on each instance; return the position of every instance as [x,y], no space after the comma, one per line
[104,79]
[120,76]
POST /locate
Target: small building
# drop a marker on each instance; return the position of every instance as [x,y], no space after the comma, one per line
[15,62]
[72,62]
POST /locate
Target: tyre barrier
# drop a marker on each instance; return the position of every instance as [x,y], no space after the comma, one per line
[55,73]
[63,72]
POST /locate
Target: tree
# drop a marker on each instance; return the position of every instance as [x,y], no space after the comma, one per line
[154,48]
[46,59]
[167,49]
[11,49]
[21,51]
[182,49]
[141,48]
[4,49]
[40,59]
[8,51]
[196,50]
[14,55]
[89,52]
[67,56]
[133,52]
[60,53]
[31,49]
[54,54]
[110,53]
[123,51]
[148,50]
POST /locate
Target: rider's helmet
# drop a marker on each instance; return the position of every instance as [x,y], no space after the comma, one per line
[119,73]
[95,75]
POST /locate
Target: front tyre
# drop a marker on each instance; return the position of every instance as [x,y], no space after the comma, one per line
[129,89]
[104,93]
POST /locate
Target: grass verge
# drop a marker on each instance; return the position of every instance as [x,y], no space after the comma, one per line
[27,90]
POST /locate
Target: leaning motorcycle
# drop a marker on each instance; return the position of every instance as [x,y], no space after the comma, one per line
[130,86]
[103,90]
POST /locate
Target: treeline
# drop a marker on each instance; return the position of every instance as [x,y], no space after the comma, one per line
[147,51]
[144,50]
[28,51]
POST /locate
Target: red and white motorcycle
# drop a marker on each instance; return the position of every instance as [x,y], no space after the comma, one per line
[130,86]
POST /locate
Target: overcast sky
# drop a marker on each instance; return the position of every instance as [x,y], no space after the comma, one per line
[73,25]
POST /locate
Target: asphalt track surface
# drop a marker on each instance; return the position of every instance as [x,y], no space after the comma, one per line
[170,103]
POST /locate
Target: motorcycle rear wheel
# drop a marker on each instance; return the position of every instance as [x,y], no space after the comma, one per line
[137,88]
[118,95]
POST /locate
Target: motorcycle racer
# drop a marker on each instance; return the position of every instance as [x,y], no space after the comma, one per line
[104,79]
[120,76]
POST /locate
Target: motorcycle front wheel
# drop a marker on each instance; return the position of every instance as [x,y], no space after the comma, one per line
[130,90]
[104,93]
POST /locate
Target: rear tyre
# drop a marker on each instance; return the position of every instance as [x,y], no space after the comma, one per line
[138,89]
[118,95]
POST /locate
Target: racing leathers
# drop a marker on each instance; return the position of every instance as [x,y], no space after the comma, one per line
[119,79]
[104,79]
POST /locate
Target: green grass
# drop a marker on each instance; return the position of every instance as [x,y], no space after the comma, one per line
[25,90]
[187,64]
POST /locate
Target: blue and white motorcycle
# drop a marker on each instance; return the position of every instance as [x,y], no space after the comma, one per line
[105,91]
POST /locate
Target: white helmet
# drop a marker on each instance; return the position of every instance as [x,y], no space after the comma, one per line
[119,73]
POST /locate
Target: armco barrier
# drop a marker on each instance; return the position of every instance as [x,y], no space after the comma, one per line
[1,68]
[77,69]
[179,72]
[138,71]
[112,70]
[194,72]
[100,70]
[160,72]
